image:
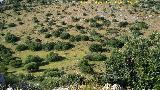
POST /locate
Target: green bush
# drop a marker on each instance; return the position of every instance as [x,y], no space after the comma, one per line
[95,48]
[123,24]
[64,35]
[32,67]
[16,63]
[99,22]
[42,30]
[35,46]
[53,73]
[78,38]
[95,36]
[11,25]
[95,57]
[79,27]
[5,51]
[72,39]
[21,23]
[85,67]
[35,59]
[48,46]
[63,46]
[3,68]
[43,63]
[57,33]
[75,19]
[5,54]
[139,26]
[115,43]
[11,38]
[84,38]
[72,78]
[48,14]
[35,20]
[21,47]
[48,35]
[52,57]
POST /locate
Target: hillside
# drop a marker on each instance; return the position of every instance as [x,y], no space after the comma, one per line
[75,38]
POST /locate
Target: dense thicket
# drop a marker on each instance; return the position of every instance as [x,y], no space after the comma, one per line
[137,65]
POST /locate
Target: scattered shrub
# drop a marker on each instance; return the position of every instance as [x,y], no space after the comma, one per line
[52,57]
[48,35]
[35,20]
[79,27]
[48,14]
[84,38]
[21,23]
[115,43]
[16,63]
[72,38]
[139,26]
[32,67]
[11,25]
[123,24]
[65,35]
[85,67]
[48,46]
[77,38]
[11,38]
[95,57]
[35,46]
[21,47]
[99,22]
[57,33]
[75,19]
[42,30]
[35,59]
[3,25]
[63,46]
[95,48]
[53,73]
[43,63]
